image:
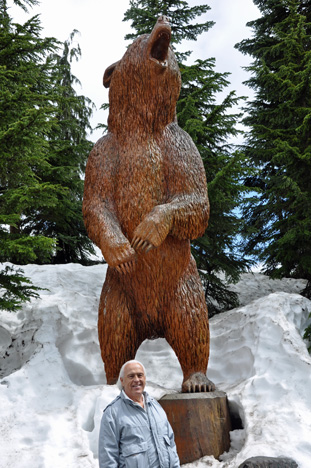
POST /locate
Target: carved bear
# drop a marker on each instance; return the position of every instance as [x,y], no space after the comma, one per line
[145,197]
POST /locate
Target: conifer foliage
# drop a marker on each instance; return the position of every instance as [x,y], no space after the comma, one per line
[279,138]
[43,150]
[210,125]
[68,149]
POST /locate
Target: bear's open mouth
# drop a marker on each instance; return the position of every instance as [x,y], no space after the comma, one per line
[159,49]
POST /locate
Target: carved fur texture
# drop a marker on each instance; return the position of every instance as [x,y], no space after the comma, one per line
[145,198]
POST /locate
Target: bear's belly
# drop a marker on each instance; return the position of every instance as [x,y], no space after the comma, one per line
[157,276]
[139,187]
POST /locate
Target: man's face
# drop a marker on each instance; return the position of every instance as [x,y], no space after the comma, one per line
[134,381]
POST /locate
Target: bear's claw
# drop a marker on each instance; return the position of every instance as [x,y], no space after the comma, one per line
[197,383]
[127,267]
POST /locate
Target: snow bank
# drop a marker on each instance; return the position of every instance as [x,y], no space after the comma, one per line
[53,385]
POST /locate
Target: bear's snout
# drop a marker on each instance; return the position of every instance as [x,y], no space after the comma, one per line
[163,19]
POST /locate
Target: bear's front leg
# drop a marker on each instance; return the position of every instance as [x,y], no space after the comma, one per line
[122,257]
[153,230]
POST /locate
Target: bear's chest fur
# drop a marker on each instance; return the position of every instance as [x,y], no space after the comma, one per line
[140,181]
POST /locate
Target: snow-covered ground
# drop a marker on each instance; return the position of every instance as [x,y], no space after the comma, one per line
[53,386]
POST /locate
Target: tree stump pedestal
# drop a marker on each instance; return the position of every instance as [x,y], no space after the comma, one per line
[201,423]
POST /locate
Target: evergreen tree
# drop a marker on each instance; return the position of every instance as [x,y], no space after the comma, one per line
[15,288]
[144,13]
[24,120]
[68,153]
[279,139]
[210,125]
[43,151]
[43,147]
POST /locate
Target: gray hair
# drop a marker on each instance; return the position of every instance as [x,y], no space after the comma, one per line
[121,375]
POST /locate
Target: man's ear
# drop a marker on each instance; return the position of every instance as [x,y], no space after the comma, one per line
[108,74]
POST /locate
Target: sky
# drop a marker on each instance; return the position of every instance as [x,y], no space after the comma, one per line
[102,32]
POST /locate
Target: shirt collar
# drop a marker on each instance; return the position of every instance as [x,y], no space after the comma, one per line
[144,395]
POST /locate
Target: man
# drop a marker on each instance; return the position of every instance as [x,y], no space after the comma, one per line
[134,429]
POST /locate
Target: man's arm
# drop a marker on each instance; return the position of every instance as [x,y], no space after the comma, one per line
[108,444]
[176,463]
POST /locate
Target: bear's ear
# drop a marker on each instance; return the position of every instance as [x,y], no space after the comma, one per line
[108,74]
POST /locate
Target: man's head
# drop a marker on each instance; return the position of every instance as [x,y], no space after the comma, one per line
[133,379]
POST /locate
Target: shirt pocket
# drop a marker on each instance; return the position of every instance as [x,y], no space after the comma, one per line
[135,455]
[162,428]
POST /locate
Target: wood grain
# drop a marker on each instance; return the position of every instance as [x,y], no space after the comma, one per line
[145,198]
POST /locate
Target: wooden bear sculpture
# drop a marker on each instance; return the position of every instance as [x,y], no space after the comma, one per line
[145,197]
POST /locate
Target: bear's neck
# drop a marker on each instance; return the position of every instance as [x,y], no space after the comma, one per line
[140,121]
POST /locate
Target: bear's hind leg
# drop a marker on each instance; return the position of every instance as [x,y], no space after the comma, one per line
[187,331]
[117,333]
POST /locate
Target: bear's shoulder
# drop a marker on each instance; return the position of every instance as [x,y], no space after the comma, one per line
[176,140]
[176,135]
[103,157]
[104,148]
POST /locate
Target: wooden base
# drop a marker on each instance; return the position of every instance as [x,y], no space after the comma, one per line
[201,423]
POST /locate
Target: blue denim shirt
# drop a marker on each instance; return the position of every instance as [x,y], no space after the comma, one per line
[124,438]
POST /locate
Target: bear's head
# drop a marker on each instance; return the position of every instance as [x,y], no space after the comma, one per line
[144,85]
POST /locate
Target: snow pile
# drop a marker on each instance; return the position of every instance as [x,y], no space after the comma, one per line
[53,386]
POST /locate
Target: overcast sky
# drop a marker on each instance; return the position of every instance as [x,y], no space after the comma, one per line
[102,42]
